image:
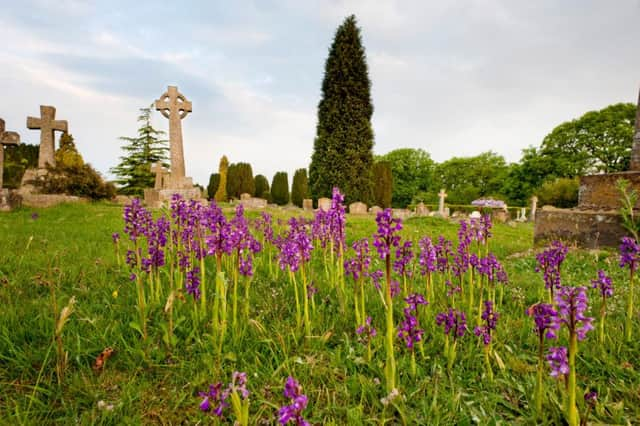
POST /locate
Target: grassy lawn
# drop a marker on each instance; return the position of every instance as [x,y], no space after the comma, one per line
[50,255]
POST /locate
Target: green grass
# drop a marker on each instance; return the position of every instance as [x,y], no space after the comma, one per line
[68,250]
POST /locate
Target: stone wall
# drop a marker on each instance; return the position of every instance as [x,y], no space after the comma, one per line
[599,191]
[587,229]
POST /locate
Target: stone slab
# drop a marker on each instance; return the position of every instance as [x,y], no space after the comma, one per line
[585,228]
[50,200]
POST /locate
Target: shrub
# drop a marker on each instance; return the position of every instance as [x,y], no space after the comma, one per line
[299,187]
[280,188]
[562,192]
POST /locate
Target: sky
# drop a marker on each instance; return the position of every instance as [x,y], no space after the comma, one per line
[455,78]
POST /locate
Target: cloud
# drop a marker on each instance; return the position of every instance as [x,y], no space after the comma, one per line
[454,78]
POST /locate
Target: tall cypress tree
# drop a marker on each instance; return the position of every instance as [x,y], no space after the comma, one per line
[299,187]
[343,148]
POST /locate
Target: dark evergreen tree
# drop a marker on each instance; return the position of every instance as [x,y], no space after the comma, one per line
[134,171]
[214,182]
[280,188]
[233,181]
[299,187]
[261,185]
[343,147]
[240,180]
[382,184]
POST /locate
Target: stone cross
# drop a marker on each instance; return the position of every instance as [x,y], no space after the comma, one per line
[160,172]
[6,138]
[635,151]
[47,125]
[174,106]
[534,207]
[442,196]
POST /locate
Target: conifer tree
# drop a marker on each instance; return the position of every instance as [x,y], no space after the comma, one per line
[299,187]
[214,182]
[261,185]
[134,171]
[221,193]
[343,147]
[280,188]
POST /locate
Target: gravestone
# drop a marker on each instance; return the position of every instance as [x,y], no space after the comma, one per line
[596,221]
[307,204]
[475,215]
[161,172]
[421,210]
[250,202]
[48,125]
[8,199]
[523,214]
[358,208]
[375,210]
[174,106]
[324,204]
[441,211]
[534,207]
[402,214]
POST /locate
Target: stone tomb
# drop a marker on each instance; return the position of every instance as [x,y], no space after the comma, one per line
[174,106]
[8,199]
[596,221]
[358,208]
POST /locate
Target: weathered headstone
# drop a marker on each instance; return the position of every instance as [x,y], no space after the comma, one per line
[523,214]
[174,106]
[442,195]
[324,204]
[402,214]
[358,208]
[250,202]
[6,139]
[534,206]
[375,210]
[307,204]
[475,215]
[47,125]
[421,209]
[160,171]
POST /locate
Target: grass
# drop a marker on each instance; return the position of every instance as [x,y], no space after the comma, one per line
[67,251]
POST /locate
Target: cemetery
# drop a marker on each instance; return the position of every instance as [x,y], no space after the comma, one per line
[372,288]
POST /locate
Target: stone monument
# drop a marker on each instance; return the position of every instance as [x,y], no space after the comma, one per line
[8,199]
[174,106]
[48,125]
[307,204]
[596,221]
[441,211]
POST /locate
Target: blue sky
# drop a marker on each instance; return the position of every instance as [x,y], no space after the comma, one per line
[455,78]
